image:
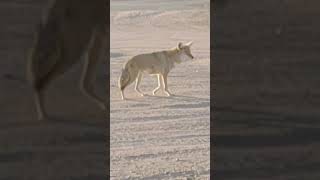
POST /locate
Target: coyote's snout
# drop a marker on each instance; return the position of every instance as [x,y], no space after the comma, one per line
[157,63]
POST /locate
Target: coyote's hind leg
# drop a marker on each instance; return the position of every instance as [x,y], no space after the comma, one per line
[39,100]
[41,80]
[96,52]
[40,85]
[122,95]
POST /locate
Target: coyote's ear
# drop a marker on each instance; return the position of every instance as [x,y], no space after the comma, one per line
[179,45]
[189,43]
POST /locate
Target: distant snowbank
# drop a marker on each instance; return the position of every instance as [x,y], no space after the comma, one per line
[126,5]
[195,18]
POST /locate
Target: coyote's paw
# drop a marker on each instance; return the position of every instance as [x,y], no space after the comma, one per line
[139,92]
[168,93]
[155,91]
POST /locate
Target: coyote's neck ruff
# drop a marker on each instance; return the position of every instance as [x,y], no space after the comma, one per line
[159,63]
[174,55]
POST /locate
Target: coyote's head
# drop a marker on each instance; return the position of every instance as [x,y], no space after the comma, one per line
[184,49]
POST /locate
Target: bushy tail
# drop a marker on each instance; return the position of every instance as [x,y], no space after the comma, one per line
[128,75]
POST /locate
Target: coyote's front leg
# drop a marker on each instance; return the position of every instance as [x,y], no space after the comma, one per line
[96,52]
[138,83]
[159,85]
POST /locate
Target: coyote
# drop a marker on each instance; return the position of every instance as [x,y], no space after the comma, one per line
[72,29]
[157,63]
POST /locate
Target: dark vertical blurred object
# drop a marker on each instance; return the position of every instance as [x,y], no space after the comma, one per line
[265,89]
[219,4]
[71,30]
[75,145]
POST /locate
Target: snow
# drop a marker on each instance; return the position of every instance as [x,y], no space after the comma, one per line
[159,137]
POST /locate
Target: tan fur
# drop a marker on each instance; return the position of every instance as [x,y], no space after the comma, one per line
[72,29]
[158,63]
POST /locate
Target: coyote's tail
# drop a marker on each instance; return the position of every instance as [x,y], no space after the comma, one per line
[129,74]
[132,69]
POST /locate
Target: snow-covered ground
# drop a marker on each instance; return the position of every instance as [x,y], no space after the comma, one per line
[159,137]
